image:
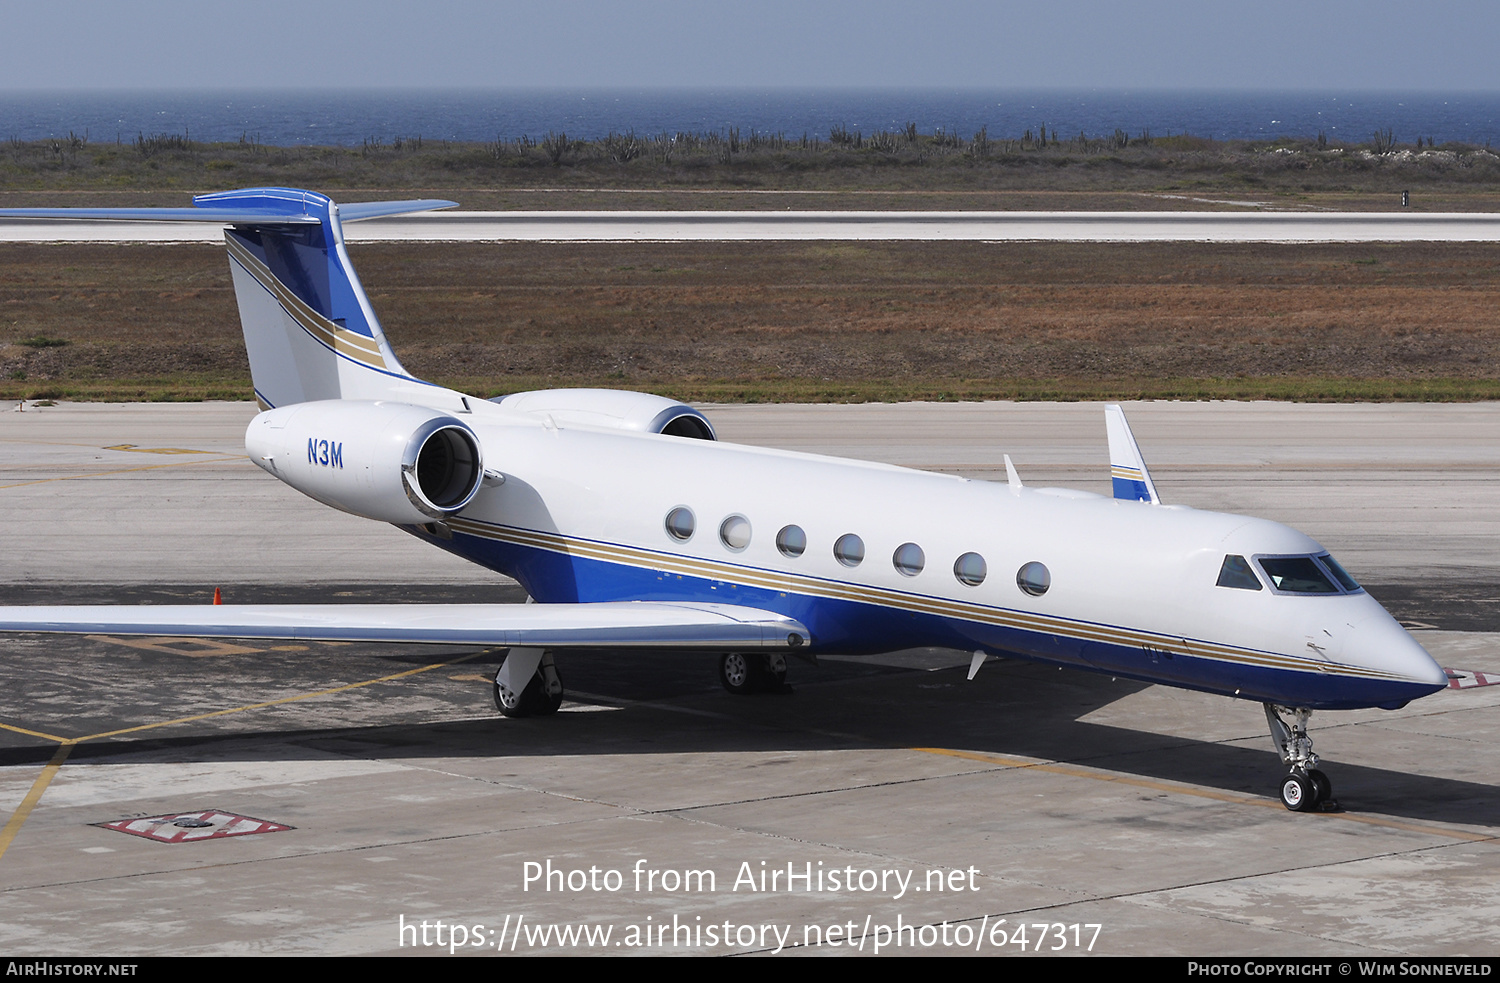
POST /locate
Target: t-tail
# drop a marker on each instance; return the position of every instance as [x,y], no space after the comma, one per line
[309,329]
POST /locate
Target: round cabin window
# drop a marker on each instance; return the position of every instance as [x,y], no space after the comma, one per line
[909,559]
[970,569]
[849,550]
[791,541]
[734,533]
[680,524]
[1034,579]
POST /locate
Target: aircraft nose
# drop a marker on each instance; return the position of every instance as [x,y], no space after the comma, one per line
[1424,667]
[1381,643]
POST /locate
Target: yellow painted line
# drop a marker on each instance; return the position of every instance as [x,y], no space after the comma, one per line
[18,818]
[1075,771]
[33,733]
[105,474]
[48,443]
[67,744]
[278,702]
[153,450]
[173,645]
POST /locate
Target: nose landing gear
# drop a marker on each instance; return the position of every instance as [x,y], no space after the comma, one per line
[1306,789]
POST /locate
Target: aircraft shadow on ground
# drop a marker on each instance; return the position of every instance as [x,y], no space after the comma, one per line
[671,704]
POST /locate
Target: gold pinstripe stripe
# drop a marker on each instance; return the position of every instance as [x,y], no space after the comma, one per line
[351,343]
[299,309]
[969,611]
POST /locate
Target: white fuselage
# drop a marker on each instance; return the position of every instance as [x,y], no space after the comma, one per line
[582,515]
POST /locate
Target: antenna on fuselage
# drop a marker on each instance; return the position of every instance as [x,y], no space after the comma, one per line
[1011,477]
[1127,468]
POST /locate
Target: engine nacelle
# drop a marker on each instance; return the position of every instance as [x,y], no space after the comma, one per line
[613,409]
[389,461]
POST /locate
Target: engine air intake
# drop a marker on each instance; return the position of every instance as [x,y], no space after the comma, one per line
[446,469]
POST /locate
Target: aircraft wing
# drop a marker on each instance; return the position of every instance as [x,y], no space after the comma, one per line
[622,624]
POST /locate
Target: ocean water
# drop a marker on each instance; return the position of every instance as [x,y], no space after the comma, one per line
[349,118]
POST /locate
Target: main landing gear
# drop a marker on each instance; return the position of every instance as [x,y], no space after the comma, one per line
[752,672]
[527,684]
[1306,789]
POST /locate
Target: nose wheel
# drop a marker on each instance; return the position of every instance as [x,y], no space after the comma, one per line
[1306,789]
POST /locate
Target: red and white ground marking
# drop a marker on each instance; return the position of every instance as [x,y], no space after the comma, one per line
[1463,679]
[187,827]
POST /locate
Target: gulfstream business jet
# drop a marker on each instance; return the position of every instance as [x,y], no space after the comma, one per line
[632,527]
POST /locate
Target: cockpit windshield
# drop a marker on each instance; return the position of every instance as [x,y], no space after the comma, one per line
[1319,574]
[1339,573]
[1297,575]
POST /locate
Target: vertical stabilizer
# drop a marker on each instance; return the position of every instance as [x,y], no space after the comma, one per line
[309,329]
[1127,468]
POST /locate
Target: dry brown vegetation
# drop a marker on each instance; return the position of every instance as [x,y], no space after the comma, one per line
[903,169]
[801,320]
[793,320]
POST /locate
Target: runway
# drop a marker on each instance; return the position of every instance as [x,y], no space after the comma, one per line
[629,226]
[1040,796]
[117,493]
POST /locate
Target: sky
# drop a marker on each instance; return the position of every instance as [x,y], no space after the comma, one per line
[1339,45]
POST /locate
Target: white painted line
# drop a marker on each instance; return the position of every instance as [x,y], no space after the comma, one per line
[636,226]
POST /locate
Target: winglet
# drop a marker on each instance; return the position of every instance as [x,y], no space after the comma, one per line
[1127,468]
[1011,477]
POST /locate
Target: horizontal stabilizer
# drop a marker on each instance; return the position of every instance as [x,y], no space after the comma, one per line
[358,211]
[623,624]
[249,206]
[220,216]
[1127,468]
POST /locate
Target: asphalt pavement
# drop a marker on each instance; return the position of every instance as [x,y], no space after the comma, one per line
[373,792]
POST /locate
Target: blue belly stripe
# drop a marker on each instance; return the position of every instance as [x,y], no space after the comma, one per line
[849,627]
